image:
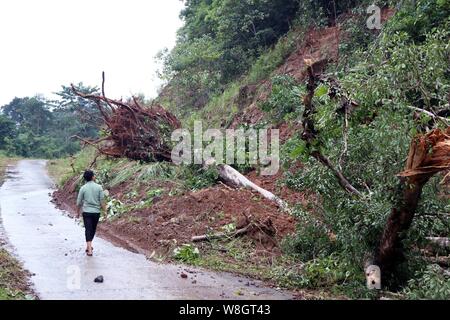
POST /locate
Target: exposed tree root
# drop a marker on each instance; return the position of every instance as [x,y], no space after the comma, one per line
[133,131]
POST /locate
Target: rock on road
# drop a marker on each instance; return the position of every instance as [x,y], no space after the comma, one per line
[51,247]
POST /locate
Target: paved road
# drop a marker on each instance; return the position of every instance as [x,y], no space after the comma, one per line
[51,247]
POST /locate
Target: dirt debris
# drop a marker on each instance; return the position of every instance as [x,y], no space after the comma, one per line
[173,220]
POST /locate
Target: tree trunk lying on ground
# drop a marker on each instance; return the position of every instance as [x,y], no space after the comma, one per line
[429,154]
[222,235]
[441,242]
[235,179]
[252,228]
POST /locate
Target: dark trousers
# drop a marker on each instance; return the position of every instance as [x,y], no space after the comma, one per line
[90,224]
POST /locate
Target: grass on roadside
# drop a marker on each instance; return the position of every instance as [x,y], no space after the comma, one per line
[4,163]
[13,279]
[63,169]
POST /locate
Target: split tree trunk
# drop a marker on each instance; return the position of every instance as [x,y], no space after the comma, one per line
[390,251]
[428,155]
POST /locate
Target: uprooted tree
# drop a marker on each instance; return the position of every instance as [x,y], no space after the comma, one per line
[132,130]
[144,133]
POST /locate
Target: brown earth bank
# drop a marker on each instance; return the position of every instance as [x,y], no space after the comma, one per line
[176,219]
[14,280]
[318,45]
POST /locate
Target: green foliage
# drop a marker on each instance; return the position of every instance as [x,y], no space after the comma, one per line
[7,130]
[219,42]
[432,283]
[196,178]
[274,57]
[35,127]
[399,70]
[285,97]
[327,272]
[332,274]
[151,194]
[114,208]
[229,228]
[127,172]
[419,17]
[311,240]
[186,253]
[158,170]
[13,279]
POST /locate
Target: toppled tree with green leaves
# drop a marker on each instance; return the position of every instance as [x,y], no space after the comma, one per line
[429,154]
[132,130]
[384,109]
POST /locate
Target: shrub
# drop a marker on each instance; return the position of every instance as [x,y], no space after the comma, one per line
[186,253]
[285,97]
[433,283]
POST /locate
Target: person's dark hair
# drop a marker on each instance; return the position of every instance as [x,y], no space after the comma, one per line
[88,175]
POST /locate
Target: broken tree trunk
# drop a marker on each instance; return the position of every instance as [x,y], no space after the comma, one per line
[235,179]
[222,235]
[429,154]
[310,133]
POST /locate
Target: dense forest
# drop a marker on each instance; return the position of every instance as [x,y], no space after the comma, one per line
[36,127]
[364,118]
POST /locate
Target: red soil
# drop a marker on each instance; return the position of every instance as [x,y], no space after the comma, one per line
[175,219]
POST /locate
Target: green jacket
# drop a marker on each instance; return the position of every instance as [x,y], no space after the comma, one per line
[91,197]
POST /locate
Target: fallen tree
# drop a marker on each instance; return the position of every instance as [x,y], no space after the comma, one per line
[429,154]
[132,130]
[144,133]
[233,178]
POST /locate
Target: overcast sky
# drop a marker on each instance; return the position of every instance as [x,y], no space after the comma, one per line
[47,43]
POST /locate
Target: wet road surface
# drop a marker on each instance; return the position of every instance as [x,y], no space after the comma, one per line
[51,247]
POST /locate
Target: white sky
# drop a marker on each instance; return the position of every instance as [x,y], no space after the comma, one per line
[48,43]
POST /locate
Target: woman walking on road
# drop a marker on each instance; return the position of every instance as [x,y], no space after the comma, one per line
[90,202]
